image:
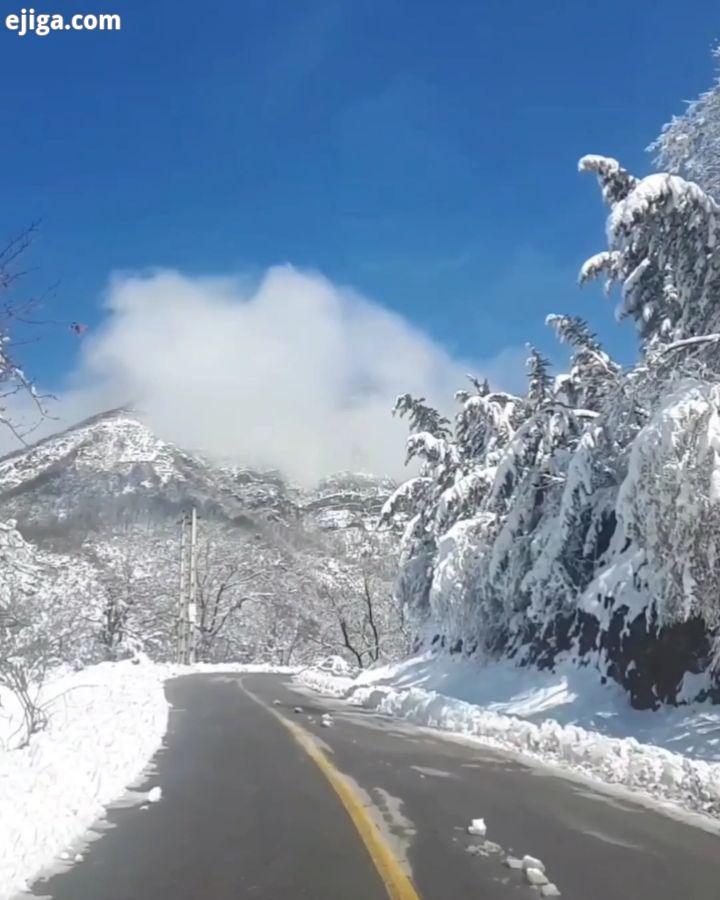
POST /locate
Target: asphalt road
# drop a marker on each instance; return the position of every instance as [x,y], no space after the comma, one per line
[246,813]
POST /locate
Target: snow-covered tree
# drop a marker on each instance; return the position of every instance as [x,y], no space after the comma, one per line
[584,514]
[689,144]
[48,603]
[593,374]
[238,577]
[539,378]
[136,570]
[421,416]
[16,388]
[664,255]
[356,613]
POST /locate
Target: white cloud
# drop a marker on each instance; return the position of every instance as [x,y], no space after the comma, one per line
[296,372]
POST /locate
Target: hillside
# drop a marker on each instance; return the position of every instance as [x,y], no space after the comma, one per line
[102,501]
[112,463]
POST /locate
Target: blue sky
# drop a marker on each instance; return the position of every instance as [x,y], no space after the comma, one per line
[423,152]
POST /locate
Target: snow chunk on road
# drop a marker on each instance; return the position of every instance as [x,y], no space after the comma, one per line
[531,862]
[105,722]
[550,890]
[487,848]
[512,862]
[477,827]
[535,876]
[326,720]
[155,795]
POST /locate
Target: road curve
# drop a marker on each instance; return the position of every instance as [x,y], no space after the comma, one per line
[246,813]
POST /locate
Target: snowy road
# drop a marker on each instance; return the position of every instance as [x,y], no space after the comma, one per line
[245,812]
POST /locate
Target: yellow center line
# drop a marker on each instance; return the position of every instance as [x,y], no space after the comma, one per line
[397,883]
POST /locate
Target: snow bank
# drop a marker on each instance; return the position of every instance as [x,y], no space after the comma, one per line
[565,718]
[246,668]
[105,723]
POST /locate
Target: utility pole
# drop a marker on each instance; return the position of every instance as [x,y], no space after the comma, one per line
[187,600]
[192,592]
[182,599]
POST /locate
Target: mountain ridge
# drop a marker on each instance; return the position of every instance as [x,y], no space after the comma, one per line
[113,461]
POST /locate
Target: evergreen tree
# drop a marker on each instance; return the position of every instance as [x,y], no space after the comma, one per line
[422,417]
[539,379]
[594,497]
[689,144]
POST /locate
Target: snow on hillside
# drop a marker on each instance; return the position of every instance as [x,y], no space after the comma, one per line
[565,718]
[112,441]
[105,465]
[101,504]
[114,461]
[42,590]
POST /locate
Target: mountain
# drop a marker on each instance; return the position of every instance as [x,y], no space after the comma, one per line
[112,464]
[346,499]
[90,546]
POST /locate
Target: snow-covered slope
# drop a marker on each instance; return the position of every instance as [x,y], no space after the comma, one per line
[346,499]
[93,526]
[48,592]
[111,463]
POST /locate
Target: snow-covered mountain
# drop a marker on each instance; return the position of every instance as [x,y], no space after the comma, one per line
[90,533]
[112,463]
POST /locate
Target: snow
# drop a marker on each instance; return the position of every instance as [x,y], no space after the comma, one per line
[654,189]
[336,665]
[592,162]
[535,876]
[117,441]
[155,794]
[565,718]
[477,827]
[105,723]
[487,848]
[231,668]
[531,862]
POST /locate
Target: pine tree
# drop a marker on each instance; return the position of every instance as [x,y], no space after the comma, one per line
[664,234]
[689,144]
[540,381]
[422,417]
[592,374]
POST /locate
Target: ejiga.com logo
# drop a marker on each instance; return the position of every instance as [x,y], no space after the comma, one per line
[27,21]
